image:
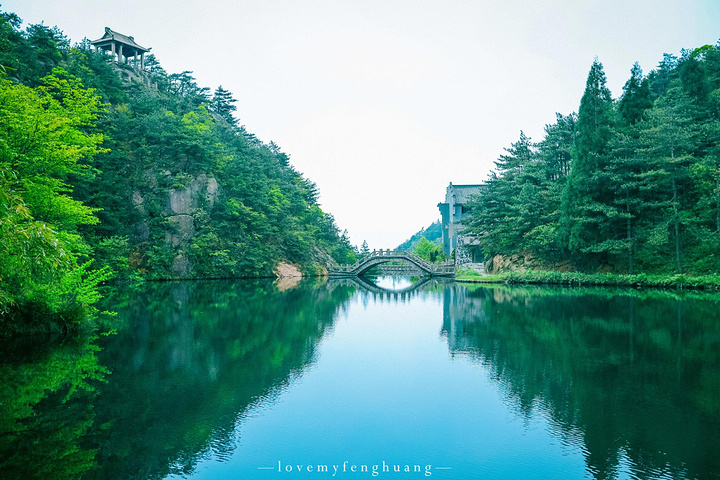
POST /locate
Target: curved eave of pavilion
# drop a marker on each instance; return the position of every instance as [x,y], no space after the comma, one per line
[106,44]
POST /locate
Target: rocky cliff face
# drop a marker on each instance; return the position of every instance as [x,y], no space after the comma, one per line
[184,203]
[521,263]
[181,206]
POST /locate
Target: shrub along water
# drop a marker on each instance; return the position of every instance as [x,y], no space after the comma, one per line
[544,277]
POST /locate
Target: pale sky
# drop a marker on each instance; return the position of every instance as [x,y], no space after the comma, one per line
[382,103]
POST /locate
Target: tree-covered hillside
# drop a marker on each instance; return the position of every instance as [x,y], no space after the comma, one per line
[626,185]
[433,233]
[144,172]
[426,243]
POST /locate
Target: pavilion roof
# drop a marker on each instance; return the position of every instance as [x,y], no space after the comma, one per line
[111,35]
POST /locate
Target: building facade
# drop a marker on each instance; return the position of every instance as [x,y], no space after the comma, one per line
[453,211]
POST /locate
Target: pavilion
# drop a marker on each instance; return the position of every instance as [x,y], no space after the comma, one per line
[122,46]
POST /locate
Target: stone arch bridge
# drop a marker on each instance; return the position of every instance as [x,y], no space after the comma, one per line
[378,257]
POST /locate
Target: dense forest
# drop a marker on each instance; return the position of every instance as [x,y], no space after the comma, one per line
[109,170]
[626,185]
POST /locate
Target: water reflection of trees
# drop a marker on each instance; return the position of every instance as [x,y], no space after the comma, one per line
[188,363]
[196,357]
[46,389]
[636,377]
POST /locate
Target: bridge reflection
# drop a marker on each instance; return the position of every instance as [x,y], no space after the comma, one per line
[382,293]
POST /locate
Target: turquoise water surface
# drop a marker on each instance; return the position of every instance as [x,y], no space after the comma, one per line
[256,380]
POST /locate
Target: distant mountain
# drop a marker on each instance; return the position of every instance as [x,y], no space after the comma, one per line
[433,233]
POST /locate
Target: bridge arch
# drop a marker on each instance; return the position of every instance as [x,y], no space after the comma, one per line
[373,262]
[378,257]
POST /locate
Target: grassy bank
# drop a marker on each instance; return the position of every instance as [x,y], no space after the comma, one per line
[473,276]
[706,282]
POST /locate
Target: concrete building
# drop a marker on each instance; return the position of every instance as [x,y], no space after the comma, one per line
[453,211]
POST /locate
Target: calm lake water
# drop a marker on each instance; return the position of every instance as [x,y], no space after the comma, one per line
[388,380]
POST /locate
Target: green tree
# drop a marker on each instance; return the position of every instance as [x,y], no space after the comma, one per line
[632,184]
[633,179]
[661,77]
[364,249]
[39,52]
[692,70]
[550,173]
[667,138]
[506,208]
[43,138]
[707,171]
[222,104]
[588,215]
[636,96]
[428,250]
[185,86]
[10,40]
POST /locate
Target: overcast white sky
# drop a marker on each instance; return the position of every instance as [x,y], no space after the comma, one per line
[382,103]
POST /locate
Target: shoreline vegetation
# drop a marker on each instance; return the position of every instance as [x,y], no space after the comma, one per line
[547,277]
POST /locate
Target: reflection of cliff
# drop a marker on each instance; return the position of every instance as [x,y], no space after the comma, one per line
[637,379]
[189,361]
[192,360]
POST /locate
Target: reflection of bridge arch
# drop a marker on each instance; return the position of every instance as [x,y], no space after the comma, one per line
[383,256]
[368,287]
[371,286]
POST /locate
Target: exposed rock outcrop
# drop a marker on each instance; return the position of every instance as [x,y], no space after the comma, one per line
[181,230]
[201,191]
[287,270]
[172,214]
[520,263]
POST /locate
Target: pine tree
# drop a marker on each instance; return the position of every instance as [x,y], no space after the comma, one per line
[556,149]
[667,137]
[506,209]
[636,97]
[693,74]
[633,181]
[708,171]
[222,104]
[184,85]
[588,212]
[550,172]
[661,78]
[152,65]
[365,249]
